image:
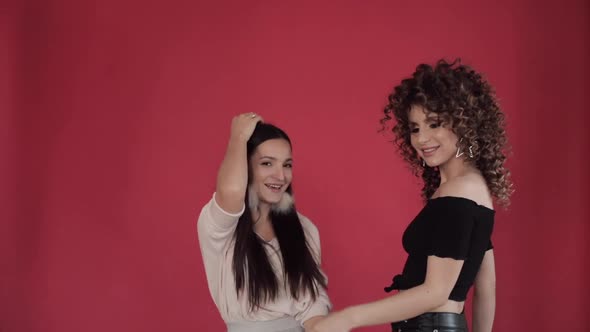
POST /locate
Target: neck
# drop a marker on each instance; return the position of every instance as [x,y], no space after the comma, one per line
[453,168]
[260,217]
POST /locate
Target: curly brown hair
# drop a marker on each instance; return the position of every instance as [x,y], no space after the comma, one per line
[466,102]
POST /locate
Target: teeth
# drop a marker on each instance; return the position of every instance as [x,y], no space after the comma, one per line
[274,186]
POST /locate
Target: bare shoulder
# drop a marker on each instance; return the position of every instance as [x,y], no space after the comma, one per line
[471,186]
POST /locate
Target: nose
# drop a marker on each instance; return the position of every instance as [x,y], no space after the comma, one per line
[423,137]
[280,174]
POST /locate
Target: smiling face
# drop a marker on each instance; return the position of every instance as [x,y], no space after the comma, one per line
[271,170]
[433,140]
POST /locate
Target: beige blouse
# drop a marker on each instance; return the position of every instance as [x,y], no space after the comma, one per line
[215,229]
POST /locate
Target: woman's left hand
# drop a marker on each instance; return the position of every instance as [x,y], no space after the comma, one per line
[337,321]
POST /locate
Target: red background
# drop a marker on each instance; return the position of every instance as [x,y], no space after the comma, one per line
[115,115]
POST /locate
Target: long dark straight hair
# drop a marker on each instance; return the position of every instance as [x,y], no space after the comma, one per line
[251,267]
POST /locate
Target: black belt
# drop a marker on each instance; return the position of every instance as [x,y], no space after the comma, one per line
[431,321]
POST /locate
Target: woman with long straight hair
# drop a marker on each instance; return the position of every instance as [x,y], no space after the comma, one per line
[262,257]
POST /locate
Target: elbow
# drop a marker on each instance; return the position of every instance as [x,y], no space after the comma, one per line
[438,296]
[229,190]
[229,193]
[441,299]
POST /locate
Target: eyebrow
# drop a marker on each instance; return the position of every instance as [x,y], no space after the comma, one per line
[273,158]
[428,118]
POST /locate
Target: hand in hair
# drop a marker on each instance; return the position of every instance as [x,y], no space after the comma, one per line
[243,125]
[232,178]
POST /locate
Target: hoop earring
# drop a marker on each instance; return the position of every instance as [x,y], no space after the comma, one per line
[459,153]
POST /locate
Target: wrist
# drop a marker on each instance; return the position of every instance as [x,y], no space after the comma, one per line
[311,321]
[238,139]
[353,319]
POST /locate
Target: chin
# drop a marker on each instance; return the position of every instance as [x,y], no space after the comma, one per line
[436,162]
[270,201]
[270,198]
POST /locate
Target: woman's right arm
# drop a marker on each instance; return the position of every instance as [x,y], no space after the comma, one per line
[484,295]
[220,215]
[232,178]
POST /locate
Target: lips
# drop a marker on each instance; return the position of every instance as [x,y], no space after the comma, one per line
[276,188]
[429,151]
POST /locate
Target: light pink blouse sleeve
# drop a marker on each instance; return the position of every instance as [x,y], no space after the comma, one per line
[215,229]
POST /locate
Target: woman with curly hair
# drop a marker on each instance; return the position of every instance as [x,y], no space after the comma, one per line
[449,128]
[261,256]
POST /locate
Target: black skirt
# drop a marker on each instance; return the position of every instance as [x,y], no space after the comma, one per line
[433,322]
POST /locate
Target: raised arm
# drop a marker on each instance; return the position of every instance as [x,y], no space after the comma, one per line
[220,215]
[232,178]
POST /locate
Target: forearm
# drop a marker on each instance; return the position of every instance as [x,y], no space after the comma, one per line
[404,305]
[308,324]
[484,307]
[232,178]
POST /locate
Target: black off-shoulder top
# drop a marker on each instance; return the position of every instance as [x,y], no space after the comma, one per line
[447,227]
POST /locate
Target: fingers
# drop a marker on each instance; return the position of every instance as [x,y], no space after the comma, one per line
[243,125]
[247,117]
[250,119]
[252,115]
